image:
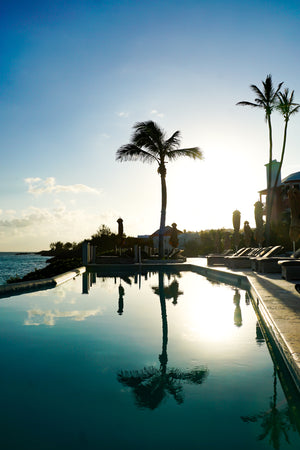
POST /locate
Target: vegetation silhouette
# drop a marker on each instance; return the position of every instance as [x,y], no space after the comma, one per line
[149,144]
[151,385]
[266,99]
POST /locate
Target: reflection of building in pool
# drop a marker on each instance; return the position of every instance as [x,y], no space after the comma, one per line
[281,204]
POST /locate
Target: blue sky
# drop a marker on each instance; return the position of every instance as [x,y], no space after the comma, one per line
[76,75]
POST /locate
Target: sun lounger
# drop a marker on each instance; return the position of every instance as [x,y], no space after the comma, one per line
[259,264]
[273,263]
[290,268]
[218,259]
[243,261]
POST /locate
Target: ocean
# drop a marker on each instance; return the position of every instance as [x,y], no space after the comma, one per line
[12,264]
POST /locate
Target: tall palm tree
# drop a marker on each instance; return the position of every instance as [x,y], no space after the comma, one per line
[286,107]
[266,99]
[149,144]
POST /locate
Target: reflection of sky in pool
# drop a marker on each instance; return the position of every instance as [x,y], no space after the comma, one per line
[159,361]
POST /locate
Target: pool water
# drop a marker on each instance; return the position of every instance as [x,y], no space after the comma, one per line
[129,361]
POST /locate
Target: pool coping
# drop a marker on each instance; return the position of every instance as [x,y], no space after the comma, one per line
[277,306]
[24,287]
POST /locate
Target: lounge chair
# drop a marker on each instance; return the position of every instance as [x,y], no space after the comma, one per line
[243,261]
[263,263]
[290,268]
[219,259]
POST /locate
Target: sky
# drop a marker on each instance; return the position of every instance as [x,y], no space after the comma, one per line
[75,76]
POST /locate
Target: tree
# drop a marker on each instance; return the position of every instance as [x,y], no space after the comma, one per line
[266,99]
[286,107]
[149,144]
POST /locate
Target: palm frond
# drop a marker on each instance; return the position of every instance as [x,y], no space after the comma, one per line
[254,105]
[286,106]
[173,142]
[194,153]
[131,152]
[257,91]
[295,110]
[149,135]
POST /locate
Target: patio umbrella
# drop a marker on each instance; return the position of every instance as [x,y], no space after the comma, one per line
[258,214]
[294,200]
[236,221]
[120,227]
[247,234]
[120,232]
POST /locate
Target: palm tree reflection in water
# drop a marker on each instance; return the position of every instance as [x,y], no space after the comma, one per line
[151,385]
[275,423]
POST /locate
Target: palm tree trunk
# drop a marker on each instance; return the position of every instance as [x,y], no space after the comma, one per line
[268,202]
[280,164]
[161,249]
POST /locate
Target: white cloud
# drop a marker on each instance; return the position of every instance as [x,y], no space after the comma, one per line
[38,186]
[123,114]
[156,113]
[34,228]
[10,212]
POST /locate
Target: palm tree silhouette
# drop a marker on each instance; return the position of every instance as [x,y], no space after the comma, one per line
[149,144]
[151,385]
[274,423]
[287,108]
[266,99]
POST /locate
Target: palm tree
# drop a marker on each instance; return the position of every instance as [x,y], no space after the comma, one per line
[266,99]
[149,144]
[286,107]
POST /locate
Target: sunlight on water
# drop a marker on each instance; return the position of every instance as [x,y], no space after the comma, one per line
[140,360]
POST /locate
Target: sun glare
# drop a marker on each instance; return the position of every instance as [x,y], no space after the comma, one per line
[206,322]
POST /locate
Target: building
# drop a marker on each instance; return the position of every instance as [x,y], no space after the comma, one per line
[281,203]
[167,234]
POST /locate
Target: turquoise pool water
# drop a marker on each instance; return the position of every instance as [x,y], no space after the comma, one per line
[165,361]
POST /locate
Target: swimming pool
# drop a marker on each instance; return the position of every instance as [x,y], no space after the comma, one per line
[130,361]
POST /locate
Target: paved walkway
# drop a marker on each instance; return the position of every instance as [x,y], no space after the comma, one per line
[279,305]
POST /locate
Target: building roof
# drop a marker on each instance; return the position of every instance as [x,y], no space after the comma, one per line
[167,232]
[292,178]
